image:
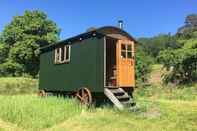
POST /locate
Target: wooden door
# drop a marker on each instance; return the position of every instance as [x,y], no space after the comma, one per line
[125,63]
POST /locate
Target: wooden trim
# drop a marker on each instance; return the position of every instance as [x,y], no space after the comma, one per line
[105,74]
[133,49]
[104,62]
[55,56]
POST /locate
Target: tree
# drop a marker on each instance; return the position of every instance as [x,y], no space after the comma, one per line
[152,46]
[182,62]
[3,52]
[23,37]
[143,65]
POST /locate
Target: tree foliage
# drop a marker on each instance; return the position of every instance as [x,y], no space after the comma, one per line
[152,46]
[143,65]
[21,39]
[182,62]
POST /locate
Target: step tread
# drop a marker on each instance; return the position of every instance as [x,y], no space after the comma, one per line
[123,98]
[120,98]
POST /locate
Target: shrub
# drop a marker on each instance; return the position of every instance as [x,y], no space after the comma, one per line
[11,68]
[143,66]
[180,63]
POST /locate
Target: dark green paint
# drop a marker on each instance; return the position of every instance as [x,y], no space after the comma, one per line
[85,68]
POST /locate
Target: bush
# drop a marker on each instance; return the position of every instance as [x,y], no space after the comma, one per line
[11,68]
[143,66]
[181,64]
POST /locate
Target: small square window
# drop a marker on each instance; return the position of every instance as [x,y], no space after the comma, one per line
[126,51]
[62,54]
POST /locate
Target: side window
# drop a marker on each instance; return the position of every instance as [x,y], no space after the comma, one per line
[126,51]
[62,54]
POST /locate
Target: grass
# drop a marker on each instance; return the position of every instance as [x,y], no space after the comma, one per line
[17,85]
[30,112]
[187,92]
[160,108]
[159,116]
[34,112]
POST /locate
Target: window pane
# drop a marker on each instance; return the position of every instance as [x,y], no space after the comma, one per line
[129,54]
[62,54]
[123,47]
[129,47]
[67,52]
[123,54]
[56,55]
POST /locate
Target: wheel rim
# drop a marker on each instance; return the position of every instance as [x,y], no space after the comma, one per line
[84,96]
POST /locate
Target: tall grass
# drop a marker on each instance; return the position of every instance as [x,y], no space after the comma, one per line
[17,85]
[187,92]
[56,114]
[35,112]
[161,108]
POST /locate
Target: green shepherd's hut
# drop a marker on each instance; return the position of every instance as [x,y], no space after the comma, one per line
[97,64]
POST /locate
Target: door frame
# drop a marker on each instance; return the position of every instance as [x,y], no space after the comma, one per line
[105,78]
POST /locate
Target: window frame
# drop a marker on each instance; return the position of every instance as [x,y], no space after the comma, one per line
[58,54]
[126,51]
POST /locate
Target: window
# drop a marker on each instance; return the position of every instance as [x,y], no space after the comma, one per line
[126,51]
[62,54]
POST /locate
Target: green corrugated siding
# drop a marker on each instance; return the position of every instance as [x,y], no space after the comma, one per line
[85,68]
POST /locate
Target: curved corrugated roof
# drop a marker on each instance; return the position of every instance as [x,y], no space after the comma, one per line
[106,31]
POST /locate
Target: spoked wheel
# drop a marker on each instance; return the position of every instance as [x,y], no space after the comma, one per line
[41,93]
[84,95]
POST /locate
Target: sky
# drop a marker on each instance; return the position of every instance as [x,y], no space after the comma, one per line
[142,18]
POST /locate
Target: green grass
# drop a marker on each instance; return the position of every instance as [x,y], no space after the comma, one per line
[160,108]
[17,85]
[156,67]
[34,112]
[187,92]
[51,113]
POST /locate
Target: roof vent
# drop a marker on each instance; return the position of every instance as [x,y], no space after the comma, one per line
[120,24]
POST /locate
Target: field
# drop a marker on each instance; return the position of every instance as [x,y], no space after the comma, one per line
[160,108]
[18,85]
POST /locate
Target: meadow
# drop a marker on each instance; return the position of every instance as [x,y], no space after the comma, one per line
[160,108]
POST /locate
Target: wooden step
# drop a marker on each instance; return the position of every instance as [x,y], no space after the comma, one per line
[123,97]
[117,92]
[119,97]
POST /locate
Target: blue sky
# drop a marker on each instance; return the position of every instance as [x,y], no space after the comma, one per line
[142,18]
